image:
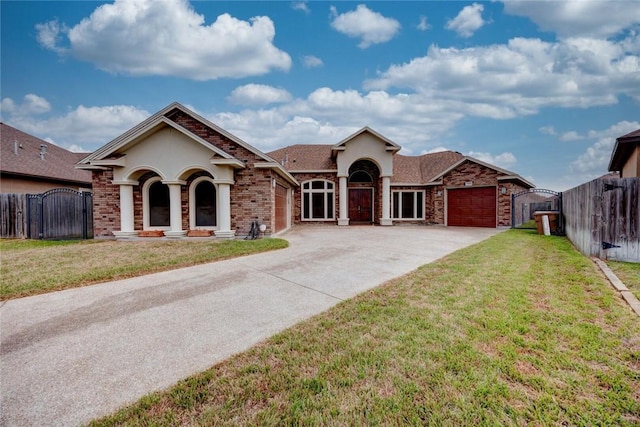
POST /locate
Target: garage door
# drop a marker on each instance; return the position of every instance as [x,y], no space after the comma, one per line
[472,207]
[281,207]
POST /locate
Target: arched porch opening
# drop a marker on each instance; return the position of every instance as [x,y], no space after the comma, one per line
[364,189]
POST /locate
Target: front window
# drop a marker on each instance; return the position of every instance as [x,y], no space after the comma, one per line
[408,205]
[317,200]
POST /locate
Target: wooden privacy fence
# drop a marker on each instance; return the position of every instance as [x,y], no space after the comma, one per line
[602,218]
[62,213]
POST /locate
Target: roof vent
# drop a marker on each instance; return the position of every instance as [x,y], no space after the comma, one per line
[43,151]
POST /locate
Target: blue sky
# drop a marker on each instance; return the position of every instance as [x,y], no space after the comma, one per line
[541,88]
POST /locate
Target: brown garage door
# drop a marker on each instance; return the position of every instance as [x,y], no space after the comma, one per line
[281,208]
[472,207]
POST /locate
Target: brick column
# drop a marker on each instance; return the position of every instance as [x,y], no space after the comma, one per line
[126,209]
[344,202]
[224,208]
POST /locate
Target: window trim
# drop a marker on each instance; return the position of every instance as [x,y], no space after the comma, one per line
[332,214]
[415,204]
[192,204]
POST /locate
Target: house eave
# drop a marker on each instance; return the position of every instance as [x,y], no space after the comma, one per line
[279,170]
[233,162]
[314,171]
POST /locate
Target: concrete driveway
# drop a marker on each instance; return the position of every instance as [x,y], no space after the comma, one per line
[71,356]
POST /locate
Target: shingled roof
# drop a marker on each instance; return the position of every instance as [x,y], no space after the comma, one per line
[623,148]
[407,170]
[422,169]
[303,158]
[21,156]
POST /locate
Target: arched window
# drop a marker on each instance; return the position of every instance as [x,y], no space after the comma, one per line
[317,200]
[157,204]
[203,203]
[360,177]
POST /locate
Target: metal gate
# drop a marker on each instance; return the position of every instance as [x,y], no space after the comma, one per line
[61,213]
[526,203]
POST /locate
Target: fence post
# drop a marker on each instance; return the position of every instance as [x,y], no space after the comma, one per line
[513,213]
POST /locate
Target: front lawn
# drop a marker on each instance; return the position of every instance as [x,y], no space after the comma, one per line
[520,329]
[37,266]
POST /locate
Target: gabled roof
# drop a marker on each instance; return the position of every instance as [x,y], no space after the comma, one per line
[391,146]
[159,120]
[507,175]
[422,169]
[21,156]
[623,148]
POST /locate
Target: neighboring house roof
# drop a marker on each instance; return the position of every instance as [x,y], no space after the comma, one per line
[623,148]
[21,156]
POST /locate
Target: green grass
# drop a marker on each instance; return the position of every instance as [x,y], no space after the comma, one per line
[628,273]
[520,329]
[30,267]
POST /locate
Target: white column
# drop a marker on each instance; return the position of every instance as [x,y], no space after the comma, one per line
[344,202]
[386,201]
[175,210]
[224,210]
[126,210]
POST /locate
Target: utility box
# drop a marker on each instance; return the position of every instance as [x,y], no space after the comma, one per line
[553,217]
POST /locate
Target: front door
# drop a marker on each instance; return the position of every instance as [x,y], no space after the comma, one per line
[360,205]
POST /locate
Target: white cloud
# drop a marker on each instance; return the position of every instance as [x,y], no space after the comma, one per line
[521,77]
[570,136]
[371,27]
[423,25]
[81,129]
[50,34]
[434,150]
[468,21]
[310,61]
[301,6]
[31,105]
[255,94]
[168,38]
[578,18]
[504,160]
[594,161]
[548,130]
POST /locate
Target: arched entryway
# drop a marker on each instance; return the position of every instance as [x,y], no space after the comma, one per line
[363,187]
[203,204]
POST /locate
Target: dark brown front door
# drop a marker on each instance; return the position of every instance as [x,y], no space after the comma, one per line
[360,205]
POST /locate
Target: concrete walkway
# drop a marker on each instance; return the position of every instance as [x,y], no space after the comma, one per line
[71,356]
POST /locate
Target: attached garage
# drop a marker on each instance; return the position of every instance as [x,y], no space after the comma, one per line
[281,208]
[472,207]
